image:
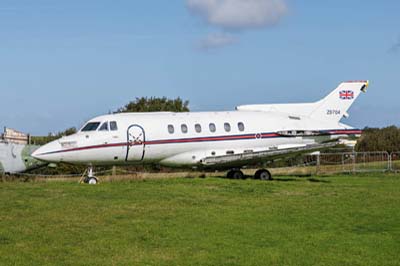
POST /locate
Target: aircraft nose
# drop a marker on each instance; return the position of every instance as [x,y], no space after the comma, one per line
[50,152]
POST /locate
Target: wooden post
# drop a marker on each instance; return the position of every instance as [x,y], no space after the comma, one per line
[114,170]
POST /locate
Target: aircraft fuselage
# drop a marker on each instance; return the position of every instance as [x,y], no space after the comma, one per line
[184,139]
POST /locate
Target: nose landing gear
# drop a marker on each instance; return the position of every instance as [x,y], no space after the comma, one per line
[89,178]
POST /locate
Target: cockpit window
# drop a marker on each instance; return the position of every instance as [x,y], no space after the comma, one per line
[92,126]
[113,126]
[104,127]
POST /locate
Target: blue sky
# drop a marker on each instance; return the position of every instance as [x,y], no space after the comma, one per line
[63,62]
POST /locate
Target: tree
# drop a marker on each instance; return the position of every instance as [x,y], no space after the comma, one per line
[41,140]
[375,139]
[67,132]
[155,104]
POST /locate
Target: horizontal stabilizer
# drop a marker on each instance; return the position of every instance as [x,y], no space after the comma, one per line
[331,108]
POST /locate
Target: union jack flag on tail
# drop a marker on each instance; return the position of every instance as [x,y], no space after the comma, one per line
[346,95]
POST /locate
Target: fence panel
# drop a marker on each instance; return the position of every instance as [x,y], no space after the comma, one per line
[372,162]
[343,162]
[395,161]
[354,162]
[335,163]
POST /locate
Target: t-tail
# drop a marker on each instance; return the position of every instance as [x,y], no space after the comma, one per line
[329,109]
[335,106]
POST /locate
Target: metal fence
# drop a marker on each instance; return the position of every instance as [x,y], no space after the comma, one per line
[344,162]
[353,162]
[395,161]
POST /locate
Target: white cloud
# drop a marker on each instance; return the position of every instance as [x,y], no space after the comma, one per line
[239,14]
[216,40]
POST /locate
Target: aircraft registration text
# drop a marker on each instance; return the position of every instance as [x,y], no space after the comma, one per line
[332,112]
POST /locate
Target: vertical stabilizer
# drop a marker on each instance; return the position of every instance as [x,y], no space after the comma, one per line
[335,106]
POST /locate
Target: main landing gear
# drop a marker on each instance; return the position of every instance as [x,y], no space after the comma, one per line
[262,174]
[90,178]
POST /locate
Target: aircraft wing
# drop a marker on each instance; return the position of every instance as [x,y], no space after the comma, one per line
[251,158]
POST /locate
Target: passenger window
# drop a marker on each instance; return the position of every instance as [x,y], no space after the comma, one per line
[241,126]
[184,128]
[90,126]
[113,126]
[104,127]
[171,129]
[227,127]
[212,127]
[197,127]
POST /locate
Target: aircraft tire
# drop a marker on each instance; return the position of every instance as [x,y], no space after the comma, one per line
[263,174]
[92,181]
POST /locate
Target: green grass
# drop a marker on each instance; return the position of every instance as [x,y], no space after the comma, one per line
[342,220]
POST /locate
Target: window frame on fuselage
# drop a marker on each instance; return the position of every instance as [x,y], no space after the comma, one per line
[113,128]
[105,125]
[184,128]
[212,127]
[171,129]
[227,127]
[197,128]
[92,128]
[241,126]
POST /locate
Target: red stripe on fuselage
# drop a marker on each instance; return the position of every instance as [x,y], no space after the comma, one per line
[200,139]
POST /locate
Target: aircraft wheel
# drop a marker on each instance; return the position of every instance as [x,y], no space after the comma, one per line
[263,174]
[92,181]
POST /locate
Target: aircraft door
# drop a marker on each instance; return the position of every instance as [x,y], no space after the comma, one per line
[136,143]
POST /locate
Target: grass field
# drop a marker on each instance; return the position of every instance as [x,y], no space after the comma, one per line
[341,220]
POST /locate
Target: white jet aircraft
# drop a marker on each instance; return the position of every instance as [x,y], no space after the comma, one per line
[209,140]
